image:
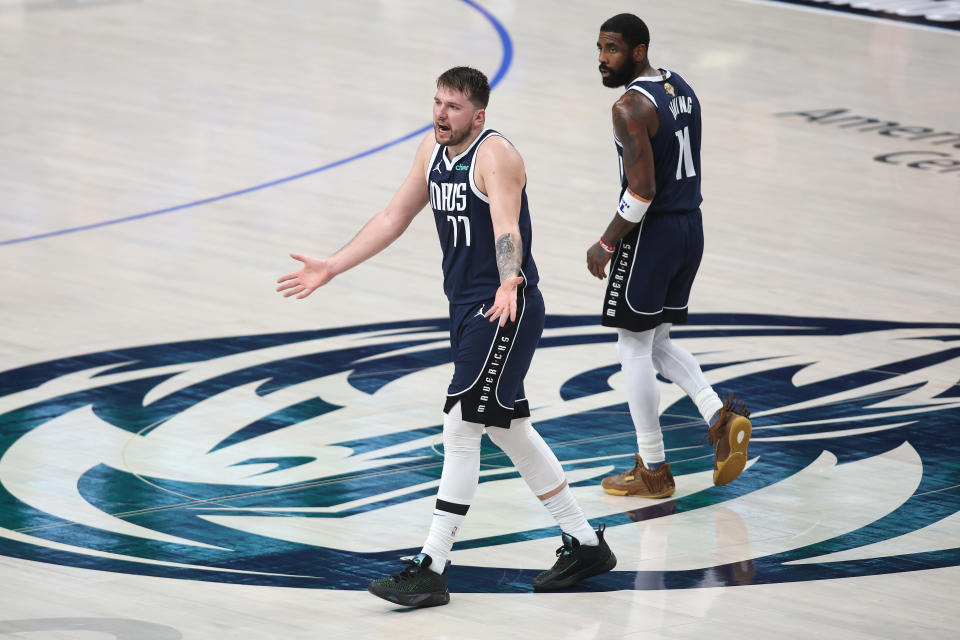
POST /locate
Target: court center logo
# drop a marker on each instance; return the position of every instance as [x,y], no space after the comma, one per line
[311,459]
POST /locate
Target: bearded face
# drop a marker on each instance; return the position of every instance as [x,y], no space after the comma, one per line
[616,60]
[453,117]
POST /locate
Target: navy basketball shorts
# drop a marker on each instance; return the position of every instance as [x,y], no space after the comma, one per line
[490,361]
[652,271]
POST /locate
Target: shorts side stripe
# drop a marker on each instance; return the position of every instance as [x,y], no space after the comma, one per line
[523,296]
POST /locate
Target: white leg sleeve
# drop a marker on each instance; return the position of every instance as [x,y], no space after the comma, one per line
[643,394]
[679,366]
[536,462]
[540,469]
[458,484]
[461,459]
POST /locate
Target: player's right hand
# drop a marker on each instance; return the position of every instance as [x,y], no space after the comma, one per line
[314,273]
[597,260]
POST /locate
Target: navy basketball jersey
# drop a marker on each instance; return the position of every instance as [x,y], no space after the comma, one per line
[676,147]
[462,214]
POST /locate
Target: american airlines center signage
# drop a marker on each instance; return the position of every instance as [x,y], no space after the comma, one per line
[921,148]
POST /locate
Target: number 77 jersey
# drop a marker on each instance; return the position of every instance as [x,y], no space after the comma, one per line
[462,215]
[676,146]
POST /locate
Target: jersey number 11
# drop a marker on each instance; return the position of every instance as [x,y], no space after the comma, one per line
[685,156]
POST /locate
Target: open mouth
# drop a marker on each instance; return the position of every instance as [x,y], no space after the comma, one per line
[442,128]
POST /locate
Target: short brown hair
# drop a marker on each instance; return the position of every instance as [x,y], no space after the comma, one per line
[469,81]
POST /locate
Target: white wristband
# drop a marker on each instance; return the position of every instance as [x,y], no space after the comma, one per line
[632,207]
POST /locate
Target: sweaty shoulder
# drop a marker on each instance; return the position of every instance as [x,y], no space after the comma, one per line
[633,105]
[497,156]
[633,109]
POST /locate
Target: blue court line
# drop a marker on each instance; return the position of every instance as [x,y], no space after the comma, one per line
[505,62]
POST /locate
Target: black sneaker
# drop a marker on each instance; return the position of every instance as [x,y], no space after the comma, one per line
[576,562]
[415,586]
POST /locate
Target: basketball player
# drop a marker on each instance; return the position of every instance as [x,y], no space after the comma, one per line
[474,181]
[655,241]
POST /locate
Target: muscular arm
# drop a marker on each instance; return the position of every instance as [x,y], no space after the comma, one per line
[635,121]
[500,174]
[376,235]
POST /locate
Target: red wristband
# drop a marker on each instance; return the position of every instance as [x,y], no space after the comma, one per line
[605,246]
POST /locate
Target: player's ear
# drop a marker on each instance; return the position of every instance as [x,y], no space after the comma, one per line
[639,52]
[480,117]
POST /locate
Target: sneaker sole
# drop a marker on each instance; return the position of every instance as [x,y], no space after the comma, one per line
[573,579]
[624,492]
[414,599]
[739,437]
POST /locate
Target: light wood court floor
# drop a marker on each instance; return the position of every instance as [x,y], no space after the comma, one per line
[186,454]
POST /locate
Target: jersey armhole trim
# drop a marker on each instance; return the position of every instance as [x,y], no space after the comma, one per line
[433,156]
[647,94]
[473,166]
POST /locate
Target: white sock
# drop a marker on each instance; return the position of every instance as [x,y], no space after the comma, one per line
[568,514]
[709,403]
[678,365]
[643,392]
[443,528]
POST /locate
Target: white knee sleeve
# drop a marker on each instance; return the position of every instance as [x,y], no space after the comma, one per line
[461,459]
[537,464]
[678,365]
[643,394]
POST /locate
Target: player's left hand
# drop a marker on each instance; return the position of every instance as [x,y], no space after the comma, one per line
[597,259]
[505,302]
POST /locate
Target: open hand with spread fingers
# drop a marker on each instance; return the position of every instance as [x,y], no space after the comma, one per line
[314,274]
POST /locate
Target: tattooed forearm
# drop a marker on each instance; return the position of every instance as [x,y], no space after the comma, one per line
[632,152]
[508,255]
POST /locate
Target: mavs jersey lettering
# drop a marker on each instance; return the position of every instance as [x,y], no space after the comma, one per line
[462,215]
[676,147]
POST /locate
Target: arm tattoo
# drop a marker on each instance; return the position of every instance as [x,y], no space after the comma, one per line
[628,122]
[632,153]
[508,256]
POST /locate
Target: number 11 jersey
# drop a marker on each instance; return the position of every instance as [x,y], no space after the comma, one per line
[676,146]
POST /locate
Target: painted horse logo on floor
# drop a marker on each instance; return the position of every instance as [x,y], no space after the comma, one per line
[298,459]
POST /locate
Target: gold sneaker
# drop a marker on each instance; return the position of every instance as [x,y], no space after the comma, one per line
[730,436]
[641,482]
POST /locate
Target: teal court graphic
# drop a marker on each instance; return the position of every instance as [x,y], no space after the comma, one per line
[187,460]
